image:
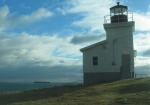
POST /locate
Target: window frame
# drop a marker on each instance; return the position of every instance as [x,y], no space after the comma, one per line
[95,60]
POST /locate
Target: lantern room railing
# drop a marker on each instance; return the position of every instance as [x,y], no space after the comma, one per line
[107,18]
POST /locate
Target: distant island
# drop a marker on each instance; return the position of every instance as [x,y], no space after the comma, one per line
[40,82]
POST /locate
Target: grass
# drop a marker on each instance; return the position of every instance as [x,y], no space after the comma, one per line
[125,92]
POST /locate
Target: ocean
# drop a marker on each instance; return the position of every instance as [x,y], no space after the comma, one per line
[9,87]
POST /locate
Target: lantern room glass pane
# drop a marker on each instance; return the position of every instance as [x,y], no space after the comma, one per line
[118,11]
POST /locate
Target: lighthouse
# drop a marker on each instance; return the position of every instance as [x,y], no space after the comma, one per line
[111,59]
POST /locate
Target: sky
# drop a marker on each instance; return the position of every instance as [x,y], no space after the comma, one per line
[40,39]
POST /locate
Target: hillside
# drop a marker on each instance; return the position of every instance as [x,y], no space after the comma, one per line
[125,92]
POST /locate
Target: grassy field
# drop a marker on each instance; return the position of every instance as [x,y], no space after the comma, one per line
[125,92]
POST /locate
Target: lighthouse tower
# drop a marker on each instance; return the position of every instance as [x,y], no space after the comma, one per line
[113,58]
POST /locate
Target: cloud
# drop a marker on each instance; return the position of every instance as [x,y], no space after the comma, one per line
[92,13]
[37,15]
[4,11]
[142,61]
[141,42]
[147,53]
[29,57]
[9,20]
[24,48]
[78,39]
[142,21]
[61,10]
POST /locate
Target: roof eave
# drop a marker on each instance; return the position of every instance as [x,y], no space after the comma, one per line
[93,45]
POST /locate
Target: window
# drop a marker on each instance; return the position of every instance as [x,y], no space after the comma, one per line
[95,60]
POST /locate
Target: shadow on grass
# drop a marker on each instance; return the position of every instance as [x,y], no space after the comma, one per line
[136,87]
[33,95]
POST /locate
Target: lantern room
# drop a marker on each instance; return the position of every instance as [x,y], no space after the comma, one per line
[119,13]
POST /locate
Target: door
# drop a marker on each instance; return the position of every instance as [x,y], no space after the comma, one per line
[125,68]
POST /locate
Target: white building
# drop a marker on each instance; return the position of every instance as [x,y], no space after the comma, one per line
[113,58]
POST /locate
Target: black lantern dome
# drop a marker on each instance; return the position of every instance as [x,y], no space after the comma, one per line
[119,13]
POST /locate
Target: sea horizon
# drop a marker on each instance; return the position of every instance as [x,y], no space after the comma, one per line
[24,86]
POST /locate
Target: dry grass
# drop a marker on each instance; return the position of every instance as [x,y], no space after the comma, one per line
[125,92]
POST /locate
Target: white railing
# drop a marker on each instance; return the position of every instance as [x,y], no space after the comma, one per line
[107,18]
